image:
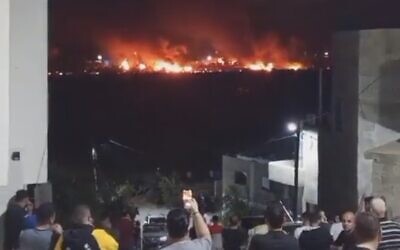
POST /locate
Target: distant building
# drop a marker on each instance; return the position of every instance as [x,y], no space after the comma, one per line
[261,181]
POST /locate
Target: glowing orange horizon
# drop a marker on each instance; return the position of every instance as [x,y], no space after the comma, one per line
[164,56]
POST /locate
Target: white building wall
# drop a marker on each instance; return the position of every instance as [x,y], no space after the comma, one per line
[23,94]
[4,86]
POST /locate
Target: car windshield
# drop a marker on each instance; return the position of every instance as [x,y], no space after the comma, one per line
[157,220]
[153,228]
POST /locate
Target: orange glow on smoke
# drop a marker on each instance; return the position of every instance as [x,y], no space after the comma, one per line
[164,56]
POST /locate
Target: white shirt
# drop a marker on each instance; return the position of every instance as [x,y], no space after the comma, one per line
[336,229]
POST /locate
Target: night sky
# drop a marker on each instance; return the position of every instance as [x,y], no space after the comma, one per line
[81,29]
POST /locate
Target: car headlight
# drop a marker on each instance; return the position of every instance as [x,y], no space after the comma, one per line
[163,238]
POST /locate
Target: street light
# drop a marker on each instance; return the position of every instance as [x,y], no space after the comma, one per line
[296,127]
[292,127]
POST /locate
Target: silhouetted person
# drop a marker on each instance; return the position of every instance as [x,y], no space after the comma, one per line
[126,231]
[83,235]
[317,237]
[15,220]
[346,238]
[276,238]
[367,203]
[233,237]
[366,231]
[390,229]
[178,229]
[306,225]
[216,233]
[40,237]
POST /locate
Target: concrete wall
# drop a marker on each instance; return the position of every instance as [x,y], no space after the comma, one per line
[379,99]
[254,171]
[366,89]
[23,94]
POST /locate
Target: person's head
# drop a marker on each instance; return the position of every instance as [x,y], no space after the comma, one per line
[126,213]
[367,229]
[322,216]
[178,223]
[82,215]
[104,220]
[367,203]
[348,220]
[215,219]
[305,219]
[275,216]
[46,214]
[378,207]
[22,198]
[234,220]
[315,218]
[30,207]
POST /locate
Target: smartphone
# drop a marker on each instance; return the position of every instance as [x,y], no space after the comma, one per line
[186,197]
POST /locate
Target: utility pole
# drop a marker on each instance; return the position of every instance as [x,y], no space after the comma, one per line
[296,169]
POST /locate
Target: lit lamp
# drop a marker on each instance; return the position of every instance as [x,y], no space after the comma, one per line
[292,127]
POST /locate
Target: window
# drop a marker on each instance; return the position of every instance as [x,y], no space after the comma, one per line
[240,178]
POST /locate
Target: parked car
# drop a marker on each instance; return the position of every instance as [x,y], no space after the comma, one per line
[154,233]
[155,219]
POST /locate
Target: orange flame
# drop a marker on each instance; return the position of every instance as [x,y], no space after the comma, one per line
[162,56]
[260,66]
[124,66]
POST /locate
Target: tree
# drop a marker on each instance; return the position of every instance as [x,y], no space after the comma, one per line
[233,203]
[170,189]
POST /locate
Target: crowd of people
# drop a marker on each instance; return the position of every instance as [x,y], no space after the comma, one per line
[36,229]
[26,228]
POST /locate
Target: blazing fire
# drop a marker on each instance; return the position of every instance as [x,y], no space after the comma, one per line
[205,67]
[124,65]
[166,57]
[260,66]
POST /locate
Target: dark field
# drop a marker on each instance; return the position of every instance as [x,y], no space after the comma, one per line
[173,122]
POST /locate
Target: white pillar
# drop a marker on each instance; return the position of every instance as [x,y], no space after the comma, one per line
[4,87]
[23,95]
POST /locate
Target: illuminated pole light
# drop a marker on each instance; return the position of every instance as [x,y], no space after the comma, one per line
[99,57]
[209,58]
[292,127]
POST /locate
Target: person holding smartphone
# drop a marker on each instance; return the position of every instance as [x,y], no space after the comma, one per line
[178,221]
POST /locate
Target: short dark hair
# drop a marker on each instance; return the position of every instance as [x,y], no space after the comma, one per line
[79,213]
[21,194]
[234,220]
[368,199]
[275,215]
[45,212]
[314,216]
[177,223]
[305,216]
[215,219]
[367,227]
